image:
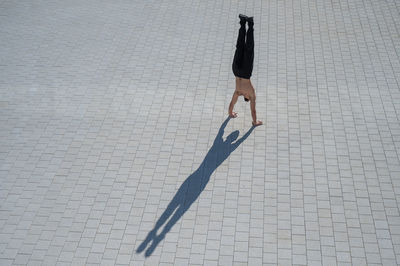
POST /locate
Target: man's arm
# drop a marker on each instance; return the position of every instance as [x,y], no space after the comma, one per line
[232,104]
[253,111]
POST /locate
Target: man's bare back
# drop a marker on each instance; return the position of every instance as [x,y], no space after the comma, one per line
[244,88]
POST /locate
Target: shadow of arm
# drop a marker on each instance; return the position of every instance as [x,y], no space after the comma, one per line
[243,138]
[218,138]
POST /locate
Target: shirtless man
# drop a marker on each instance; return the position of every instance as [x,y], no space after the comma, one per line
[242,68]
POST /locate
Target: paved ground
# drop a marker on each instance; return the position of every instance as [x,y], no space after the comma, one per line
[112,133]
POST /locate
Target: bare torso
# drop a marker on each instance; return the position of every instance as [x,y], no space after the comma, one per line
[245,88]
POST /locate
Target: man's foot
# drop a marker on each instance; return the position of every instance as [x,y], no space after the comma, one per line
[241,16]
[257,123]
[243,19]
[250,21]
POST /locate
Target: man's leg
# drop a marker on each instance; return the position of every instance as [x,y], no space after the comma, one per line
[240,44]
[248,57]
[242,34]
[250,36]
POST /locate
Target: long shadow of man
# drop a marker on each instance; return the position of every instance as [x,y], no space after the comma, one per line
[193,186]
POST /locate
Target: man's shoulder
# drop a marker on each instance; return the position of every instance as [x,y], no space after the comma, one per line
[252,92]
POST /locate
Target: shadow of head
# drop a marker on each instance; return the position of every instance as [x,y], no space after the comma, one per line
[233,136]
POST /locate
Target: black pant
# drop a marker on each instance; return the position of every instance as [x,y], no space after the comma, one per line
[242,65]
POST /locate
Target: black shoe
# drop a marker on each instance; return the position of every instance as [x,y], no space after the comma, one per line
[243,19]
[250,21]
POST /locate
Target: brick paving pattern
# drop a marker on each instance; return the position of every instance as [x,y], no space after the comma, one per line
[110,109]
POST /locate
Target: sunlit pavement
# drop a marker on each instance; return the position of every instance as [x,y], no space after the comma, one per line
[115,148]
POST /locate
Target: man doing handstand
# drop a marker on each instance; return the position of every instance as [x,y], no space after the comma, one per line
[242,68]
